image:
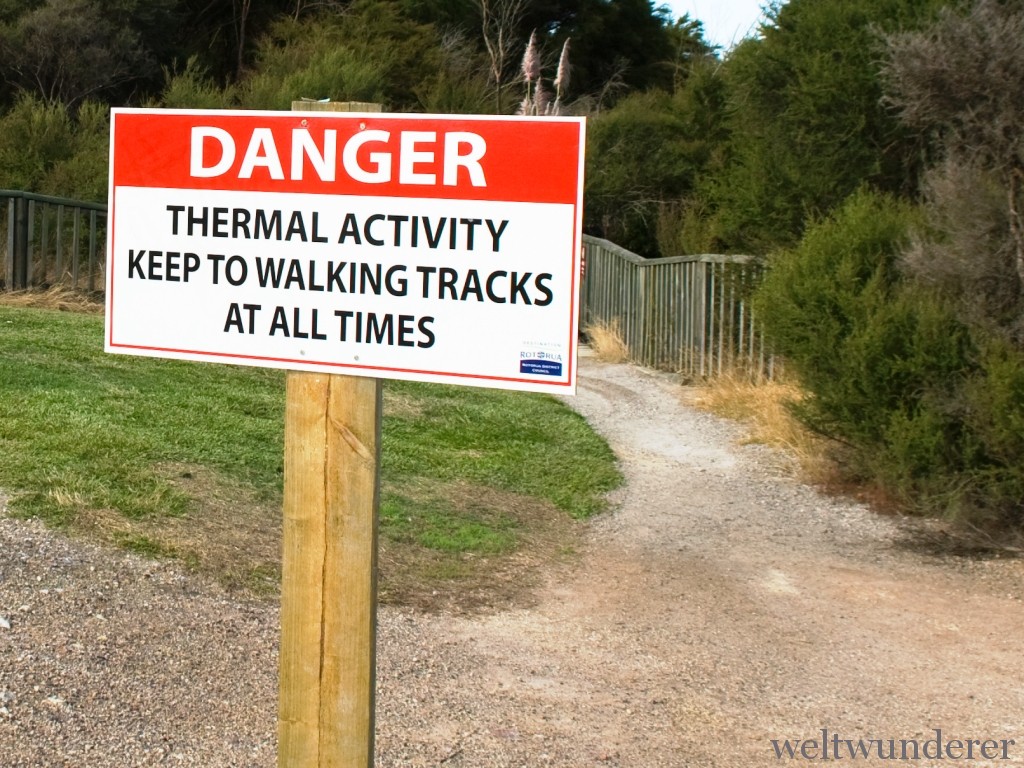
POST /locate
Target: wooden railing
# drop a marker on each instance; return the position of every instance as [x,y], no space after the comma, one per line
[51,240]
[689,314]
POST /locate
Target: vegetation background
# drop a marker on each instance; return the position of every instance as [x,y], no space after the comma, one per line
[871,151]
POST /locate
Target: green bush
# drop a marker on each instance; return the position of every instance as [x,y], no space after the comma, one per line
[370,53]
[818,302]
[47,148]
[995,415]
[82,175]
[315,61]
[192,88]
[643,156]
[886,363]
[34,136]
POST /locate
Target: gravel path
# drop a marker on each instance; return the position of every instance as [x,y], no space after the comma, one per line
[721,606]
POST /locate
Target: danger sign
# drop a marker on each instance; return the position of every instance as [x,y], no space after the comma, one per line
[412,247]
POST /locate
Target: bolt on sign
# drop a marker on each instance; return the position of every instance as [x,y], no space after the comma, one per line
[418,247]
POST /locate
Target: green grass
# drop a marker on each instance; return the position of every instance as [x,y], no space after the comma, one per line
[79,427]
[83,433]
[437,525]
[528,444]
[143,545]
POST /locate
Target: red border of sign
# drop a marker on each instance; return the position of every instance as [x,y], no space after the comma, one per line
[307,364]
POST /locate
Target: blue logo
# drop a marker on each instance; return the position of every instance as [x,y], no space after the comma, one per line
[540,367]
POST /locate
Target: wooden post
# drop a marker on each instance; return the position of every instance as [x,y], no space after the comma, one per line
[329,562]
[19,255]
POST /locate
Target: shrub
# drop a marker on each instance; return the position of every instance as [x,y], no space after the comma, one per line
[47,148]
[314,60]
[369,53]
[33,136]
[192,88]
[995,415]
[641,156]
[83,174]
[816,301]
[886,363]
[968,252]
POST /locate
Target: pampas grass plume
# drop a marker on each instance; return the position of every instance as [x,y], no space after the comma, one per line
[562,77]
[531,60]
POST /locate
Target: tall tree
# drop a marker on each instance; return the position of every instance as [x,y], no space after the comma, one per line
[224,34]
[960,81]
[618,39]
[69,50]
[808,126]
[645,156]
[499,29]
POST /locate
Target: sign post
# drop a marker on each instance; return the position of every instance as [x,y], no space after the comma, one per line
[329,565]
[345,248]
[328,581]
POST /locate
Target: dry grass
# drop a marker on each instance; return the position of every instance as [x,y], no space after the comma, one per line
[763,406]
[57,297]
[229,533]
[606,341]
[235,538]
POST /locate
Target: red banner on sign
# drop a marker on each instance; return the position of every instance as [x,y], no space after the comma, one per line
[346,154]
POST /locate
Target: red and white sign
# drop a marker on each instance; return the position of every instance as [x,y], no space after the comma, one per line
[419,247]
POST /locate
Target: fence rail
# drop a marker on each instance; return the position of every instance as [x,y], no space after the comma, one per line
[690,314]
[50,241]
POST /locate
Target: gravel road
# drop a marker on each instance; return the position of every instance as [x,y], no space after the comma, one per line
[720,606]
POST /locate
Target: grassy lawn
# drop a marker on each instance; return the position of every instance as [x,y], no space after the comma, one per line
[185,460]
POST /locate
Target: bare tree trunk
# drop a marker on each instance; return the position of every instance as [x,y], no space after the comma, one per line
[498,22]
[302,6]
[241,18]
[1016,223]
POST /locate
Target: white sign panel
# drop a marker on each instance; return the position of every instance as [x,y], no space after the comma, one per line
[398,246]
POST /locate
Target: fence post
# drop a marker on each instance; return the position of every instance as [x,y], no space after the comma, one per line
[19,254]
[9,256]
[58,246]
[75,241]
[92,250]
[43,245]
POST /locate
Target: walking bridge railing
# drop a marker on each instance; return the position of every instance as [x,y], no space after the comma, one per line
[690,314]
[47,241]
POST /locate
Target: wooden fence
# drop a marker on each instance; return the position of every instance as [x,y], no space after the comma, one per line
[689,314]
[50,241]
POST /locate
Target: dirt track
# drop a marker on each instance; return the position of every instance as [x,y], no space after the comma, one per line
[721,606]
